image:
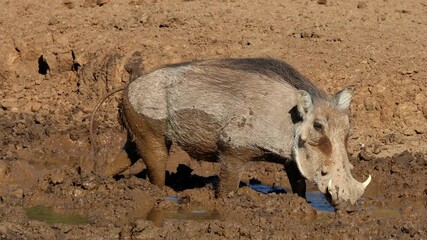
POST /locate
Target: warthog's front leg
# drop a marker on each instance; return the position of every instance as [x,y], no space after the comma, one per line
[296,180]
[232,165]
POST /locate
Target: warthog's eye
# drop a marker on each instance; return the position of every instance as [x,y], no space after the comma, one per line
[318,126]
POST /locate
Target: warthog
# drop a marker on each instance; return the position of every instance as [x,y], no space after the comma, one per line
[239,110]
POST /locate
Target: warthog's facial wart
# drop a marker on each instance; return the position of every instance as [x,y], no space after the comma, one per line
[320,148]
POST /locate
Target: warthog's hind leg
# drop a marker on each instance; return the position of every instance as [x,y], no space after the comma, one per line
[154,153]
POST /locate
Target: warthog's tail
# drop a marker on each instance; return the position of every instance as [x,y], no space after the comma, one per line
[93,142]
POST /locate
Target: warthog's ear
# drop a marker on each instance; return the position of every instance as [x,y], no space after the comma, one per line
[304,102]
[343,97]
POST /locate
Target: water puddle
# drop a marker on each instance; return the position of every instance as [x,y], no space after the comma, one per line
[46,214]
[386,213]
[157,216]
[319,202]
[267,189]
[175,199]
[316,199]
[324,208]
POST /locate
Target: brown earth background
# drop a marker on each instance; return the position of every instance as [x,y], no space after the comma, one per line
[90,48]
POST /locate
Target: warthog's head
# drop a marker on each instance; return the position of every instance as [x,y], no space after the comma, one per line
[320,147]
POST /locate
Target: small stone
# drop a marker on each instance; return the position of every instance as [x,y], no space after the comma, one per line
[322,2]
[69,4]
[36,107]
[57,177]
[144,18]
[53,21]
[425,110]
[3,169]
[362,5]
[363,155]
[20,46]
[101,2]
[89,3]
[43,185]
[78,192]
[17,193]
[405,109]
[409,132]
[126,233]
[90,185]
[142,225]
[420,98]
[377,150]
[4,228]
[420,129]
[370,104]
[9,104]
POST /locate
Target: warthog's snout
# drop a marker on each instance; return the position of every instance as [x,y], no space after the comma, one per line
[345,198]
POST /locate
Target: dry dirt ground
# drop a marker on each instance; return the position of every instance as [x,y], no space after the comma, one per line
[58,58]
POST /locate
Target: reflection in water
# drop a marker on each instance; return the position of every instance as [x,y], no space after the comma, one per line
[46,214]
[319,202]
[316,199]
[157,216]
[383,212]
[267,189]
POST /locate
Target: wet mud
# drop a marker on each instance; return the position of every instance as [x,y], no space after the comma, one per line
[60,57]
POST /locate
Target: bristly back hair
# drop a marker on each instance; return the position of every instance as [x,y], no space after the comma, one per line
[274,69]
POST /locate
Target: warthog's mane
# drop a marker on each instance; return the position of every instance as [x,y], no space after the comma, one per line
[274,69]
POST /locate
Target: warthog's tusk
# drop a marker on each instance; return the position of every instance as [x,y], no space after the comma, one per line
[330,186]
[366,183]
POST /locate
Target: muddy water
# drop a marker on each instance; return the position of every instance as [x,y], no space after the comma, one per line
[157,216]
[45,214]
[315,198]
[135,204]
[318,201]
[384,212]
[182,210]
